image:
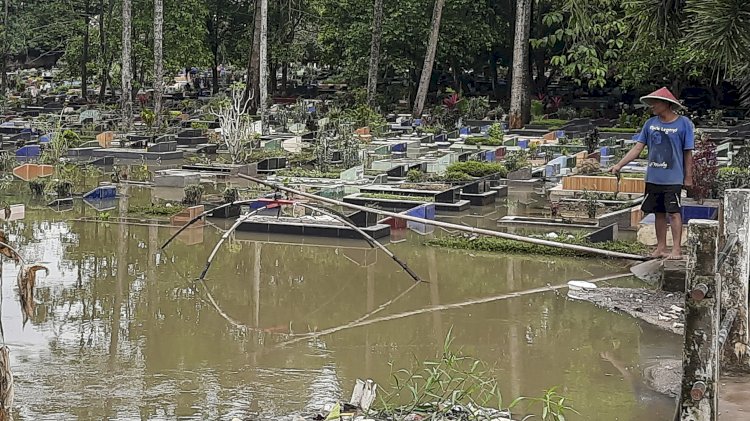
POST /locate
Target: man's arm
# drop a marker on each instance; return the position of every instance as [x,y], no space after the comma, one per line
[633,154]
[688,157]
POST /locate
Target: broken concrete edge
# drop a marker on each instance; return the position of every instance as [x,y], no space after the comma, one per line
[655,307]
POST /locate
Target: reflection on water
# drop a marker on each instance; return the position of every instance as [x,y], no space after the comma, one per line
[122,331]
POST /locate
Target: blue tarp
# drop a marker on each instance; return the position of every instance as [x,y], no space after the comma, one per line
[29,151]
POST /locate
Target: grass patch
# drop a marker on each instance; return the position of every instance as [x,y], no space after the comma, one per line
[502,245]
[397,197]
[155,210]
[486,141]
[549,122]
[477,168]
[301,172]
[618,130]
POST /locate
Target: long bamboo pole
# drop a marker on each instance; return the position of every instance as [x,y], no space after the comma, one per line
[480,231]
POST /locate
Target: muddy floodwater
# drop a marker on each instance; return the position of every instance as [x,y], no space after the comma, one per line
[122,331]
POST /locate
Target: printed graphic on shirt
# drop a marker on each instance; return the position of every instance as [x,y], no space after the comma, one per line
[661,153]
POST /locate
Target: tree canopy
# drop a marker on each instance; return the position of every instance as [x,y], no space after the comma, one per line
[592,43]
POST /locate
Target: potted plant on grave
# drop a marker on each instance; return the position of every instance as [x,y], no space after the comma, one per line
[229,195]
[193,195]
[518,165]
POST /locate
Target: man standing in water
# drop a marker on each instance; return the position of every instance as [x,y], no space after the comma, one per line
[670,139]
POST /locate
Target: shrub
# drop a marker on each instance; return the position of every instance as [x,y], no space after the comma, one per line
[705,167]
[193,194]
[478,169]
[496,132]
[566,113]
[537,108]
[517,160]
[478,140]
[732,178]
[415,176]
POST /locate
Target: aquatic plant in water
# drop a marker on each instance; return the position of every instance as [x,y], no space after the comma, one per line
[457,386]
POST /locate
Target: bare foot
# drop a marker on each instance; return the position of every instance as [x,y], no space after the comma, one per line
[658,254]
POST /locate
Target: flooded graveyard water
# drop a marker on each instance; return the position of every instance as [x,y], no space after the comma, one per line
[121,330]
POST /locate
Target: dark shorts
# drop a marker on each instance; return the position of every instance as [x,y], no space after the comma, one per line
[661,198]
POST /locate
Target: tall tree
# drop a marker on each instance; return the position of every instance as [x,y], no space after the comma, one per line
[263,73]
[519,93]
[429,59]
[127,72]
[253,69]
[6,49]
[85,54]
[377,34]
[158,59]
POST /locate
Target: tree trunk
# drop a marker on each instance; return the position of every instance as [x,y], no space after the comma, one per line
[263,73]
[215,74]
[284,76]
[127,72]
[102,53]
[377,34]
[85,53]
[158,59]
[6,50]
[429,59]
[273,81]
[254,68]
[519,95]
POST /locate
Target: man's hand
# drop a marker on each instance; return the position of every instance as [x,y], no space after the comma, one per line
[615,169]
[688,182]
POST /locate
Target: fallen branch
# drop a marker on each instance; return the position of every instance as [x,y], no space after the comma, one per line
[431,309]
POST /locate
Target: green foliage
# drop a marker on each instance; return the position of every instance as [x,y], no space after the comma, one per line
[38,186]
[148,117]
[230,194]
[365,116]
[732,178]
[586,39]
[496,132]
[388,196]
[199,125]
[517,160]
[452,175]
[501,245]
[301,172]
[476,108]
[618,130]
[193,194]
[435,387]
[477,168]
[487,141]
[63,188]
[537,109]
[156,209]
[566,113]
[591,203]
[415,176]
[549,122]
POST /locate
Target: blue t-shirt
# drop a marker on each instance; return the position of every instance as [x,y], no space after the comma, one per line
[666,144]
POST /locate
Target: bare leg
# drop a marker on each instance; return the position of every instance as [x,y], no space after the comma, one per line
[676,225]
[660,223]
